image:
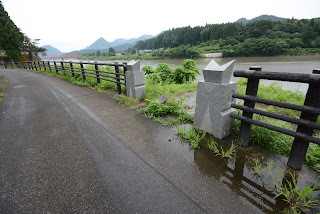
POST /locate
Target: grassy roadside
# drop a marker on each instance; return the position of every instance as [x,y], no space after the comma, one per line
[3,85]
[274,141]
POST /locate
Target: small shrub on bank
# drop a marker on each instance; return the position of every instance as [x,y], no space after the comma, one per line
[186,73]
[173,107]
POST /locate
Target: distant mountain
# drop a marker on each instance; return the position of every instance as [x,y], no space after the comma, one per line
[262,17]
[132,41]
[101,43]
[119,45]
[52,50]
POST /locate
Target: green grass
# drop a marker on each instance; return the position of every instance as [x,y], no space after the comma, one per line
[3,89]
[126,101]
[191,135]
[173,107]
[275,141]
[275,92]
[299,200]
[155,90]
[219,151]
[89,81]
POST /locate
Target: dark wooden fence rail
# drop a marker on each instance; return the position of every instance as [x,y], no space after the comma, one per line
[78,68]
[309,112]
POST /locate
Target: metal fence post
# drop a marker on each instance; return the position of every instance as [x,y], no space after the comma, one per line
[71,67]
[55,66]
[82,71]
[35,65]
[49,66]
[44,66]
[299,147]
[252,90]
[118,77]
[62,66]
[97,72]
[39,65]
[124,71]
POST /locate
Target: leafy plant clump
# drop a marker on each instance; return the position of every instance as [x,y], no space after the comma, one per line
[299,200]
[229,153]
[186,73]
[156,109]
[191,135]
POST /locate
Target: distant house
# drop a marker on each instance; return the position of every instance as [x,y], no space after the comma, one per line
[118,54]
[2,52]
[146,51]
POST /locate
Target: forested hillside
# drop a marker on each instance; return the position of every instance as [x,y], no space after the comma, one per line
[11,38]
[258,38]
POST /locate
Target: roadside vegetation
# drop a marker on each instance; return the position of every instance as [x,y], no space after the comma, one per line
[275,141]
[3,85]
[299,199]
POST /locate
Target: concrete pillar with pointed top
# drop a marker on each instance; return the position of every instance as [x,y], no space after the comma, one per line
[214,99]
[135,80]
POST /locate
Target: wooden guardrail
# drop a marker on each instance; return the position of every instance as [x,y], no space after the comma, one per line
[309,112]
[78,68]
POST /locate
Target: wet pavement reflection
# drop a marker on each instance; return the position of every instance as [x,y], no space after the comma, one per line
[239,176]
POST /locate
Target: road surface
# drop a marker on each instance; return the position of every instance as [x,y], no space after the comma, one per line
[67,149]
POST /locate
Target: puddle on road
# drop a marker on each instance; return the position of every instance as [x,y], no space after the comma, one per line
[239,176]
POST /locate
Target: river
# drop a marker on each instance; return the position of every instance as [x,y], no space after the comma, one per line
[292,64]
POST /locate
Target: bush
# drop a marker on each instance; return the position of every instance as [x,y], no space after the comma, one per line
[147,70]
[186,73]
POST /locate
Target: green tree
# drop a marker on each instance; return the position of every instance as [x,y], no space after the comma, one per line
[11,38]
[112,52]
[31,47]
[307,36]
[98,53]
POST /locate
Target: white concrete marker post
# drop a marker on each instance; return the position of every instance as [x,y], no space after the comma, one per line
[135,80]
[214,99]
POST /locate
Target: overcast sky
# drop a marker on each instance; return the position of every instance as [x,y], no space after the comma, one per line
[75,24]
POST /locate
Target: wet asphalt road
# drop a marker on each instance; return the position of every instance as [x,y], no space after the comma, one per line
[67,149]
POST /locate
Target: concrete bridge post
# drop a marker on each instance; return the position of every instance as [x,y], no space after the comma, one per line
[135,83]
[214,99]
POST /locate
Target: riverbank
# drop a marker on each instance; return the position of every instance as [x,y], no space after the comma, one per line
[200,52]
